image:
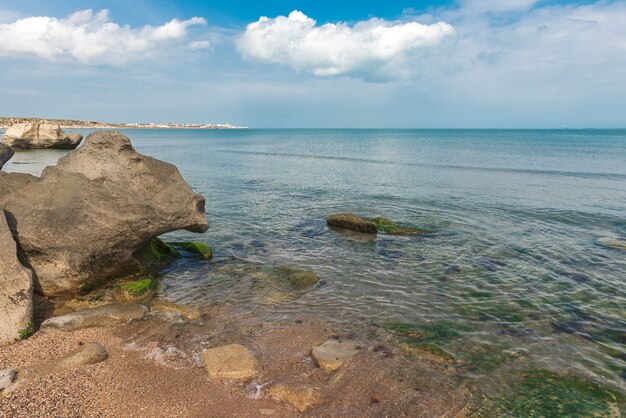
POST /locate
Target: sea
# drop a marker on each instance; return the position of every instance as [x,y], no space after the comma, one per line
[517,257]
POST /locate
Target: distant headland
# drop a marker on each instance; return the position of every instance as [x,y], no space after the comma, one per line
[5,122]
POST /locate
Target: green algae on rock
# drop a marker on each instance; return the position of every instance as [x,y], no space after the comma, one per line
[198,249]
[542,393]
[352,222]
[136,290]
[393,228]
[163,252]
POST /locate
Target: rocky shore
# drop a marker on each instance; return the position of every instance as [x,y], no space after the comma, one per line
[85,331]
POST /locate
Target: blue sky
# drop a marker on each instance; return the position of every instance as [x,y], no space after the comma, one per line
[464,63]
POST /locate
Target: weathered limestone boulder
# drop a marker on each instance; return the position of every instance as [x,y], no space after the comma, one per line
[100,316]
[92,216]
[89,353]
[31,135]
[6,153]
[230,362]
[332,355]
[352,222]
[302,396]
[16,289]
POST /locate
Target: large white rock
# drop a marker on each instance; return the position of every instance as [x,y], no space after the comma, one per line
[31,135]
[16,288]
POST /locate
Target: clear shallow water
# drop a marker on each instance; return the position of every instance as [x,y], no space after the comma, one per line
[513,255]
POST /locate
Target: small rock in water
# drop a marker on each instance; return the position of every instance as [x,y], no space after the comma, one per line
[102,316]
[230,362]
[7,376]
[332,355]
[352,222]
[301,396]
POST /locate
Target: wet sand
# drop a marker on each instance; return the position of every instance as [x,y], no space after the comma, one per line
[153,370]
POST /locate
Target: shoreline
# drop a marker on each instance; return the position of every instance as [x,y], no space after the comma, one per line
[6,122]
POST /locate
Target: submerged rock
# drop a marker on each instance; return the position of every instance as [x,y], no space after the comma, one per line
[393,228]
[89,353]
[298,279]
[332,355]
[303,397]
[16,290]
[230,362]
[30,135]
[6,153]
[188,311]
[101,316]
[352,222]
[612,242]
[93,216]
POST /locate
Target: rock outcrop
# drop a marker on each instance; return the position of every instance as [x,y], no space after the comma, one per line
[16,289]
[93,216]
[6,153]
[32,135]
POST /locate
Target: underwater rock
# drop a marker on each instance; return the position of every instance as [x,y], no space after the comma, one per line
[188,311]
[230,362]
[393,228]
[352,222]
[16,290]
[332,355]
[197,249]
[92,217]
[613,242]
[30,135]
[298,279]
[302,396]
[101,316]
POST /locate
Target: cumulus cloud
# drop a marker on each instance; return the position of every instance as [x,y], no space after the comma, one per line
[88,37]
[496,6]
[373,49]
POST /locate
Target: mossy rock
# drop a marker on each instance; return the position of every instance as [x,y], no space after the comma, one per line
[393,228]
[137,290]
[352,222]
[197,249]
[542,393]
[163,252]
[298,279]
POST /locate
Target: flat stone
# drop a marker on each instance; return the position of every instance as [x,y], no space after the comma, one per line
[332,355]
[101,316]
[230,362]
[303,397]
[89,353]
[7,376]
[190,312]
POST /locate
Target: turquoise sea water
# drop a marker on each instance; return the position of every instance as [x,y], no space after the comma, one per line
[514,256]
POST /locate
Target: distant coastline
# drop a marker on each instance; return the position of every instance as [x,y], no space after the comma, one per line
[5,122]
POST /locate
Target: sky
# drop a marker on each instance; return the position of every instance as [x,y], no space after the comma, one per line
[317,63]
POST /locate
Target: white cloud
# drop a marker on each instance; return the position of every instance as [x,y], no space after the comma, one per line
[89,38]
[495,6]
[372,49]
[199,45]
